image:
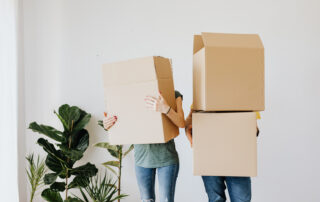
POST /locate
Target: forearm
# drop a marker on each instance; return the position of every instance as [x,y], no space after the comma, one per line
[188,127]
[176,118]
[188,121]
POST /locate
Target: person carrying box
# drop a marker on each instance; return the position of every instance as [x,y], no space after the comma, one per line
[162,158]
[239,188]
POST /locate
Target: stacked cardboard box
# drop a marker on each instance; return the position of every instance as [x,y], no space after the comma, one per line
[228,86]
[126,84]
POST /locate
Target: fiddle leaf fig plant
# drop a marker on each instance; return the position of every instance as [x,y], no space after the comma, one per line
[69,146]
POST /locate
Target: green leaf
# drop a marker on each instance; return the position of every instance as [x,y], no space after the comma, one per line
[87,170]
[50,178]
[106,145]
[79,181]
[63,174]
[70,115]
[64,123]
[119,197]
[119,147]
[70,199]
[128,151]
[112,163]
[72,154]
[58,186]
[50,149]
[53,163]
[83,121]
[100,123]
[48,131]
[101,189]
[113,150]
[83,195]
[35,171]
[80,140]
[51,196]
[111,169]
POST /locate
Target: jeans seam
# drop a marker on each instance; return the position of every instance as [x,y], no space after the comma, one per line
[153,182]
[173,182]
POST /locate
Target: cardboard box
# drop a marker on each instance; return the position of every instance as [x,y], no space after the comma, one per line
[224,144]
[228,72]
[126,84]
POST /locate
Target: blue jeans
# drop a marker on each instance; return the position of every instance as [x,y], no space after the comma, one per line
[167,177]
[239,188]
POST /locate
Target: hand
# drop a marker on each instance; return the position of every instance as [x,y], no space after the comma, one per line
[189,133]
[157,104]
[108,122]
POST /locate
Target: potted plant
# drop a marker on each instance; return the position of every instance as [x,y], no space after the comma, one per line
[70,144]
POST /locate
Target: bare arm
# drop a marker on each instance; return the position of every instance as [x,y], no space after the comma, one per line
[160,105]
[177,117]
[188,127]
[189,119]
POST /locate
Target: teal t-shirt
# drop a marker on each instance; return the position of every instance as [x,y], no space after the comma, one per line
[156,155]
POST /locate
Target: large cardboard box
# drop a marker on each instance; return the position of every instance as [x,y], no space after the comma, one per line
[224,144]
[228,72]
[126,84]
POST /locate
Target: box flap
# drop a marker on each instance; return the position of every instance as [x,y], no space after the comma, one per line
[130,71]
[197,43]
[231,40]
[163,67]
[136,70]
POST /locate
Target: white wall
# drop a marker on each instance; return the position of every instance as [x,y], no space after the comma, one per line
[9,54]
[67,41]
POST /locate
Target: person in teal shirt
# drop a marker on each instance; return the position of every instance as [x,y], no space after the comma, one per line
[157,158]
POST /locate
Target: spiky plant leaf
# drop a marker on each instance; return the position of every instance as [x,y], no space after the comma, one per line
[111,169]
[101,189]
[112,163]
[128,151]
[35,172]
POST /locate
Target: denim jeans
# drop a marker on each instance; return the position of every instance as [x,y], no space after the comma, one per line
[239,188]
[167,177]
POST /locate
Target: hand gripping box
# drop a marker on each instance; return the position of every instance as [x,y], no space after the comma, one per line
[126,84]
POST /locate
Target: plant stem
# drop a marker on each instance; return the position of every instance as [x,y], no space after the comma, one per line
[70,141]
[67,185]
[32,195]
[119,176]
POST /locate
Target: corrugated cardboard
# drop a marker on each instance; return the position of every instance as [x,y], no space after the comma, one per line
[224,144]
[228,72]
[126,84]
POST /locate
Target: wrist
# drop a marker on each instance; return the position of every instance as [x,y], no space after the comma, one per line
[168,110]
[164,109]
